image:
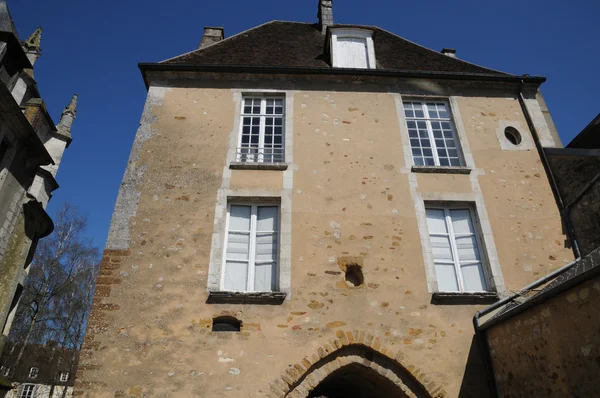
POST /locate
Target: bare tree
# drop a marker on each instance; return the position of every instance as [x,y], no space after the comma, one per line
[59,289]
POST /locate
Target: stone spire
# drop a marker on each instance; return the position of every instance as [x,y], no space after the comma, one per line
[6,22]
[32,45]
[67,118]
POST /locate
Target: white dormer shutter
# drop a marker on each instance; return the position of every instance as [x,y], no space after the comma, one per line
[352,48]
[352,52]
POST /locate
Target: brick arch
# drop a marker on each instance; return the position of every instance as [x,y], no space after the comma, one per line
[354,347]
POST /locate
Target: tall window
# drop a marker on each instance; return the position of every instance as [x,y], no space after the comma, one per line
[27,391]
[251,248]
[456,249]
[432,136]
[33,372]
[261,139]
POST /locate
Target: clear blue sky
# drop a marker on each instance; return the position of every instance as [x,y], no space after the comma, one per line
[92,47]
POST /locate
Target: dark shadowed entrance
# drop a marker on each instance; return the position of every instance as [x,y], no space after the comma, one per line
[356,381]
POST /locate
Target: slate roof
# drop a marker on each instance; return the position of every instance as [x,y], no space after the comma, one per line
[301,45]
[6,21]
[589,138]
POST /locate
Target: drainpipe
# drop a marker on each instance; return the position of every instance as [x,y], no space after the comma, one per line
[536,138]
[564,210]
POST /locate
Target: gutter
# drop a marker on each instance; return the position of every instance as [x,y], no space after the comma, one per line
[293,70]
[564,211]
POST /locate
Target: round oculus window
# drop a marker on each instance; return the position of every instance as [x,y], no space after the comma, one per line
[513,135]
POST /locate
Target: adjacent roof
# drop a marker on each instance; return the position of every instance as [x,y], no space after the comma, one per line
[589,138]
[296,44]
[6,21]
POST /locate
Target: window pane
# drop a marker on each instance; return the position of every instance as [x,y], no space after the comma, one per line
[239,218]
[461,221]
[436,220]
[236,276]
[264,277]
[267,218]
[238,245]
[266,247]
[440,247]
[466,247]
[473,277]
[446,277]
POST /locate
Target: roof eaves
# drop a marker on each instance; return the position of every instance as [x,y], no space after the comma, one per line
[144,67]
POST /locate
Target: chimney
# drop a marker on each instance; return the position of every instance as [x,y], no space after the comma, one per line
[212,35]
[325,14]
[449,52]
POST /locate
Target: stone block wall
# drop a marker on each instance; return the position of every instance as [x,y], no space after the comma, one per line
[552,349]
[352,194]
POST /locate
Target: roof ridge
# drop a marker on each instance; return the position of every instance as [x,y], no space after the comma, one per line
[229,38]
[442,55]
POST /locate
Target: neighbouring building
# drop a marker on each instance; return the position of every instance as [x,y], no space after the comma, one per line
[46,371]
[545,340]
[31,149]
[319,209]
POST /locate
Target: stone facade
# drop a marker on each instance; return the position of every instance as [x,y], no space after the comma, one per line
[51,363]
[350,198]
[352,194]
[31,148]
[545,340]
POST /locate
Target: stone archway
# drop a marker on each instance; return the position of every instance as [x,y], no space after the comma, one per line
[355,364]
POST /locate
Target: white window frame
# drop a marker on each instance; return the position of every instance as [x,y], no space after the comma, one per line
[367,35]
[28,391]
[252,250]
[484,264]
[428,120]
[34,372]
[65,378]
[263,115]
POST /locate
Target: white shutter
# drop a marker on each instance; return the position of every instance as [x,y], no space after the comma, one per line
[267,225]
[352,52]
[468,251]
[238,249]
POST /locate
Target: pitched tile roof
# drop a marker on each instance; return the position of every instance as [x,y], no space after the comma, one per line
[296,44]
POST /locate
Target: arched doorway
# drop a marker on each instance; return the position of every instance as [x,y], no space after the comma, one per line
[354,370]
[357,381]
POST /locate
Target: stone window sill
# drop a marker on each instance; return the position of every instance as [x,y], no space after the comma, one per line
[257,166]
[441,169]
[264,298]
[451,298]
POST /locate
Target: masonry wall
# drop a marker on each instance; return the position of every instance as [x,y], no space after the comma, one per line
[576,172]
[352,193]
[551,349]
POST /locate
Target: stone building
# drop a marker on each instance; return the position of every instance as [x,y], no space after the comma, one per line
[31,149]
[317,209]
[545,339]
[45,371]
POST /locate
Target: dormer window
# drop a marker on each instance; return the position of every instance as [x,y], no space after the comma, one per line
[352,48]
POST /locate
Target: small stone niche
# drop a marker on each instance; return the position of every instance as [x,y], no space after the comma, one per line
[226,324]
[352,267]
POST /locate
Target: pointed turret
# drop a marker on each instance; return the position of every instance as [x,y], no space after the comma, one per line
[67,118]
[32,45]
[6,22]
